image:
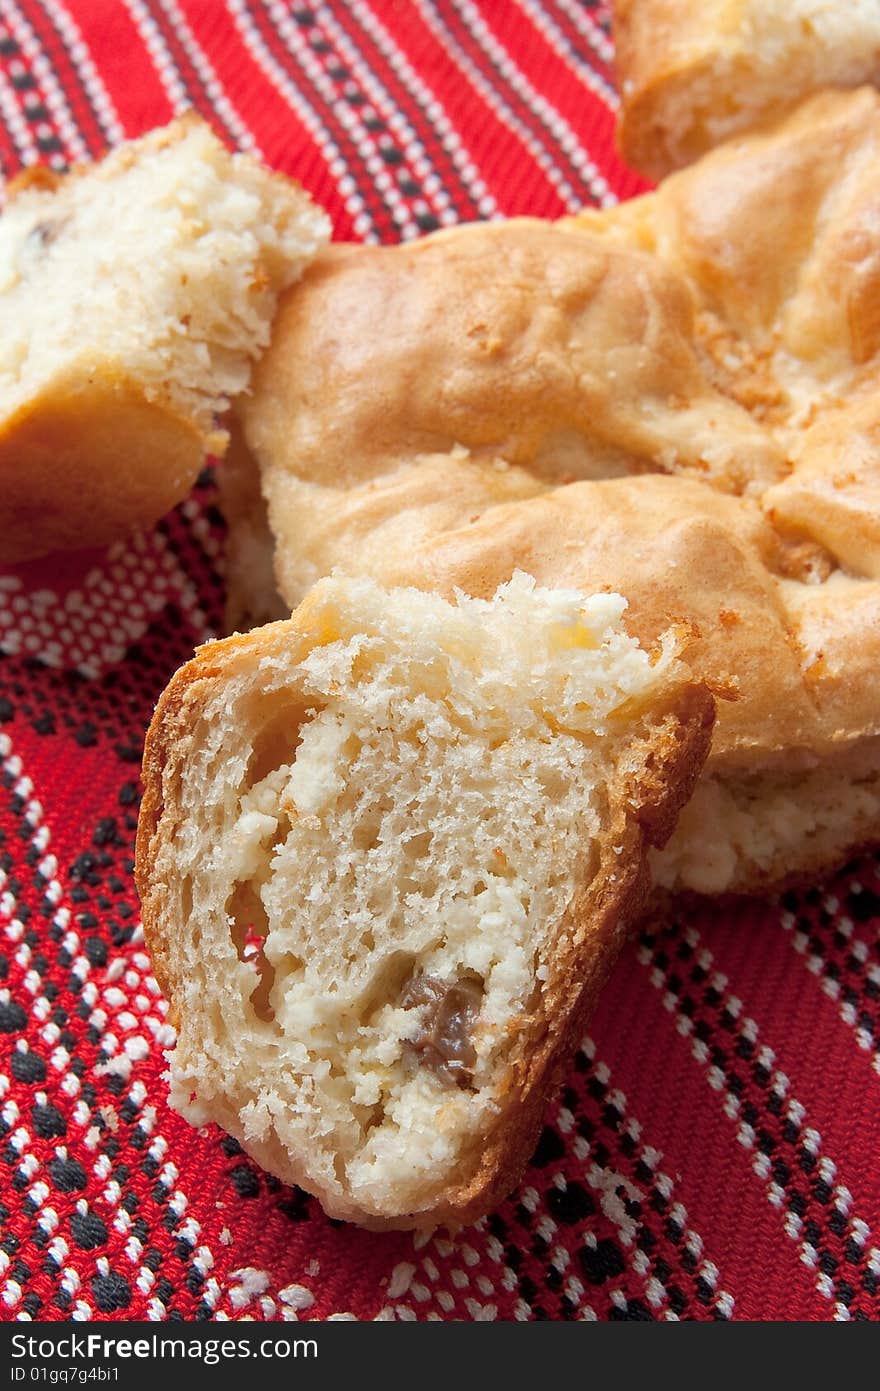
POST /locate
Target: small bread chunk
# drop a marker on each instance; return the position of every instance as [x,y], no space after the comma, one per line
[693,75]
[134,296]
[388,851]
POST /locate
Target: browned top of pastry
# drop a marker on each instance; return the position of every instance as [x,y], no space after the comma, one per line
[675,398]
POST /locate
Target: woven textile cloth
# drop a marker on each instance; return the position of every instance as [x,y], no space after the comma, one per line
[714,1151]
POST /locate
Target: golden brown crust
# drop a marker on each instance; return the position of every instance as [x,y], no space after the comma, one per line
[561,354]
[169,728]
[59,451]
[37,176]
[667,757]
[666,52]
[657,47]
[691,75]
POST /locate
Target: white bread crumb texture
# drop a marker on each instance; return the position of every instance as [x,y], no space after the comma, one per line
[370,880]
[163,262]
[755,826]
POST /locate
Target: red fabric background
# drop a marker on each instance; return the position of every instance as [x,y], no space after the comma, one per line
[713,1154]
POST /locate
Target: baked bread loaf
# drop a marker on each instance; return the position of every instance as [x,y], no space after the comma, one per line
[676,398]
[693,75]
[134,296]
[387,853]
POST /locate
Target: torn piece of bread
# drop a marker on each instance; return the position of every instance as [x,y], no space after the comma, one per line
[387,853]
[693,75]
[134,296]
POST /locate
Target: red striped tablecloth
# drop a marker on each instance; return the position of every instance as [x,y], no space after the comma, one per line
[714,1152]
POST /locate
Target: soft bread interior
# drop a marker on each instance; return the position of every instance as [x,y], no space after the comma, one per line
[163,262]
[752,828]
[365,873]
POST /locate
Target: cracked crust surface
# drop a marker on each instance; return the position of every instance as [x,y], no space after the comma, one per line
[675,398]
